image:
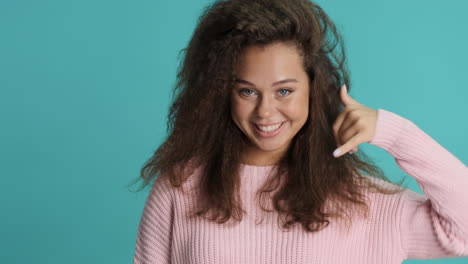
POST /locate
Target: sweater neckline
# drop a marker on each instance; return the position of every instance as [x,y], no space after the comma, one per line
[256,171]
[257,167]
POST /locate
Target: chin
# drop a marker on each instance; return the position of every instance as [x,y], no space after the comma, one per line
[270,147]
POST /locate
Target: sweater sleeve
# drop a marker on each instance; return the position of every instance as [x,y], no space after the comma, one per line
[153,243]
[434,225]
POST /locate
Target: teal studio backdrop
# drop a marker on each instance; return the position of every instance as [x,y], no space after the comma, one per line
[85,89]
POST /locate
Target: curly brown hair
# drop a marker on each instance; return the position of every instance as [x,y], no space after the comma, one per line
[202,133]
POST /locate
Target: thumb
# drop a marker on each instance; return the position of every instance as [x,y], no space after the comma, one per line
[345,97]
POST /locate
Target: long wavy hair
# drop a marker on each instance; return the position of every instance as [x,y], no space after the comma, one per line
[202,133]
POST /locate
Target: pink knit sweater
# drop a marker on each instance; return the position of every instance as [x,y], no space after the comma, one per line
[402,226]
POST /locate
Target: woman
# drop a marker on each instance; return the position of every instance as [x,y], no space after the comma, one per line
[259,109]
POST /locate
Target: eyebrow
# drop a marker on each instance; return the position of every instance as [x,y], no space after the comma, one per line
[273,84]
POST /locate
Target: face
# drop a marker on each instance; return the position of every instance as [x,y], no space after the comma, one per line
[270,101]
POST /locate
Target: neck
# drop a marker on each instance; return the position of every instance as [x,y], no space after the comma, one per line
[257,157]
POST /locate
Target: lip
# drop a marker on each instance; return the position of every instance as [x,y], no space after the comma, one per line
[272,124]
[271,134]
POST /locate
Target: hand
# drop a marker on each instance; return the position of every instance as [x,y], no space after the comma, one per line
[355,125]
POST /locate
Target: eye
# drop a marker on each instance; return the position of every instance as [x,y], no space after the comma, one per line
[284,91]
[246,91]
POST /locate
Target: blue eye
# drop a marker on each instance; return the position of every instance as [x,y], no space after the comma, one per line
[284,91]
[246,91]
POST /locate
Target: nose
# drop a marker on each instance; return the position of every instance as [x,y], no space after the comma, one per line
[265,107]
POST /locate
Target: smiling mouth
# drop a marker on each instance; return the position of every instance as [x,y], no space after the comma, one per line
[270,128]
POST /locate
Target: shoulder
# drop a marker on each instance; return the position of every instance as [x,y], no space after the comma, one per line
[386,197]
[395,202]
[184,177]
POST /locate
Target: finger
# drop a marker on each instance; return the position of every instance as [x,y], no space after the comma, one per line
[346,129]
[346,134]
[346,98]
[337,125]
[349,145]
[354,150]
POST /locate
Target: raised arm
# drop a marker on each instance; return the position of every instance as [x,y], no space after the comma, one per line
[434,225]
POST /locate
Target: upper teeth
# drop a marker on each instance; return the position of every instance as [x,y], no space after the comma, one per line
[269,128]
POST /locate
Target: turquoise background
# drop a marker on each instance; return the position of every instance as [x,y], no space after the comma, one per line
[85,89]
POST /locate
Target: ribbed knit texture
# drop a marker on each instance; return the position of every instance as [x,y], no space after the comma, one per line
[402,226]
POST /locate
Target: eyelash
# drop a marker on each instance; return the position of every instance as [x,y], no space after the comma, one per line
[242,90]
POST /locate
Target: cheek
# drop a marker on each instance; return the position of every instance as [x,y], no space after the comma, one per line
[304,105]
[305,109]
[298,110]
[240,109]
[239,112]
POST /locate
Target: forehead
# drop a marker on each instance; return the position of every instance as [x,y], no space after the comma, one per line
[270,63]
[289,80]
